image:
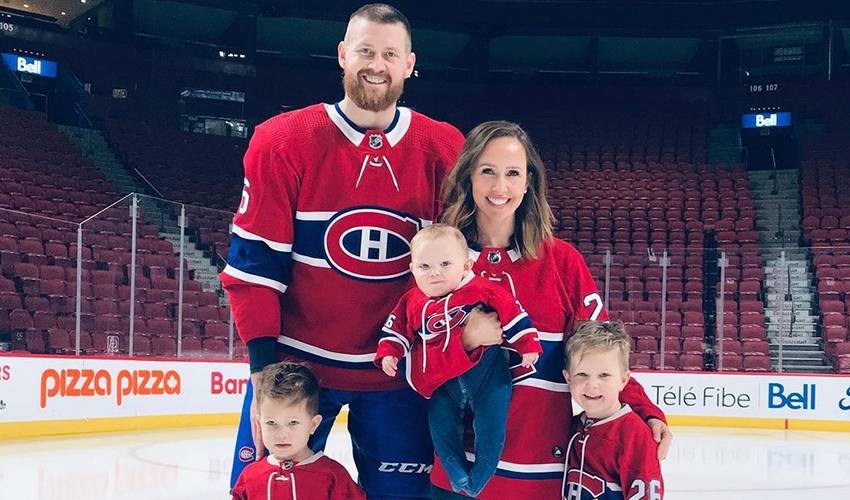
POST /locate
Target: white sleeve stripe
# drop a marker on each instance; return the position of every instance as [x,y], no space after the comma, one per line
[320,216]
[550,337]
[324,353]
[514,321]
[397,341]
[544,384]
[521,334]
[310,261]
[528,468]
[397,336]
[274,245]
[252,278]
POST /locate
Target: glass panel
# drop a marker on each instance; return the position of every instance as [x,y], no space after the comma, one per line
[105,307]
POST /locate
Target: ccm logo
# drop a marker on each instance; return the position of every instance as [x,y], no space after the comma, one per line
[90,383]
[405,468]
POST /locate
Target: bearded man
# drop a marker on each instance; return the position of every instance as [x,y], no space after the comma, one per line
[333,193]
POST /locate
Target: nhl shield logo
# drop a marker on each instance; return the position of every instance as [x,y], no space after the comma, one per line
[376,141]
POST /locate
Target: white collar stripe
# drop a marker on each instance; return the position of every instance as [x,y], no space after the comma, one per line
[401,127]
[397,132]
[353,135]
[312,458]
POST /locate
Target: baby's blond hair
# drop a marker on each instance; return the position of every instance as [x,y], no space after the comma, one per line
[438,230]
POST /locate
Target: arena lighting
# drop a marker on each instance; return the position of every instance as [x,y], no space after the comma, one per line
[231,55]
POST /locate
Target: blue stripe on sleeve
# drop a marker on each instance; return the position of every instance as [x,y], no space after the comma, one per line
[256,258]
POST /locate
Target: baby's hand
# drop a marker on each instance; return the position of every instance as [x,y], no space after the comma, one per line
[527,359]
[390,365]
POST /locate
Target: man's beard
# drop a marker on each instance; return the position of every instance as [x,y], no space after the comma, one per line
[355,89]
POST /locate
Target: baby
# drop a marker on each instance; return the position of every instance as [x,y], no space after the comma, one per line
[425,329]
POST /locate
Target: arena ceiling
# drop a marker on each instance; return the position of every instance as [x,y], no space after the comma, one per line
[617,36]
[60,11]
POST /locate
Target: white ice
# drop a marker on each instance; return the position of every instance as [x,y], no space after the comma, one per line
[704,464]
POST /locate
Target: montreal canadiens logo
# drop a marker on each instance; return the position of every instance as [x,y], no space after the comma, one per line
[436,323]
[370,243]
[594,485]
[246,454]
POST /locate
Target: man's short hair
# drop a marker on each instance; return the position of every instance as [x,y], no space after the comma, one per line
[598,336]
[384,14]
[290,382]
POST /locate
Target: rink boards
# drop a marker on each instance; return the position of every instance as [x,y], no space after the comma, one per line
[55,395]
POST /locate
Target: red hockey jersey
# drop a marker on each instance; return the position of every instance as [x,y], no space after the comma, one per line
[320,245]
[427,332]
[612,459]
[556,289]
[316,478]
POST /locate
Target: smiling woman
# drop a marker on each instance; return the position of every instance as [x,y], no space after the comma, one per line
[499,181]
[496,196]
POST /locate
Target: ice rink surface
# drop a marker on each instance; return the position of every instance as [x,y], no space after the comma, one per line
[704,464]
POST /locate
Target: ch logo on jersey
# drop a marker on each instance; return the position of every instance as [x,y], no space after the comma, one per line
[370,243]
[376,141]
[436,323]
[246,454]
[592,487]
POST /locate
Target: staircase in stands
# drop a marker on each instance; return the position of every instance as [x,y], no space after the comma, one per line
[93,145]
[790,293]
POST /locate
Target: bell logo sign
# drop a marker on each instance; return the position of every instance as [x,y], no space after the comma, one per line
[803,400]
[34,67]
[73,382]
[766,120]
